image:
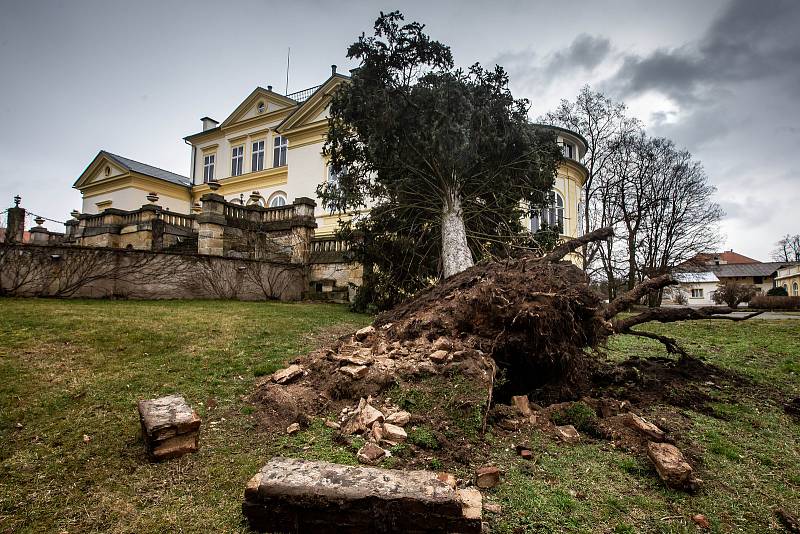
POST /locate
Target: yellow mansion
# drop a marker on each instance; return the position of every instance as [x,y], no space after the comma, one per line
[269,151]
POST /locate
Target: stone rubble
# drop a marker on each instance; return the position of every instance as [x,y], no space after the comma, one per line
[644,427]
[289,495]
[370,454]
[364,333]
[672,467]
[568,433]
[170,427]
[285,376]
[487,477]
[522,404]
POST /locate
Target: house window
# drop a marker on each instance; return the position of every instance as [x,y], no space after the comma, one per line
[208,167]
[551,216]
[795,290]
[333,176]
[261,107]
[277,200]
[279,152]
[237,160]
[258,156]
[697,293]
[568,150]
[758,279]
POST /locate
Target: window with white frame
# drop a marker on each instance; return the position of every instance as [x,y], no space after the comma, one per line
[258,156]
[237,160]
[279,151]
[697,293]
[795,290]
[333,176]
[277,200]
[208,167]
[550,216]
[568,149]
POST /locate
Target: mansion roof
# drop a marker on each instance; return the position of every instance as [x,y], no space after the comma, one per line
[148,170]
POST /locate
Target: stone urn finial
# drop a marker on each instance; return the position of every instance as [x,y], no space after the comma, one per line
[255,198]
[152,197]
[214,185]
[75,214]
[17,200]
[39,220]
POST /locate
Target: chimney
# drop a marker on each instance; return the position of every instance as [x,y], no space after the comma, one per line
[208,123]
[333,70]
[269,88]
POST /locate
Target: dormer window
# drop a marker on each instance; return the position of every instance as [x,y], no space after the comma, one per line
[108,170]
[279,151]
[568,150]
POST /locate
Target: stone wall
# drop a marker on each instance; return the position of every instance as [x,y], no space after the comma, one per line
[93,272]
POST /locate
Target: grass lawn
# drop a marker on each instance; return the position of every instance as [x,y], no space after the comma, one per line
[75,368]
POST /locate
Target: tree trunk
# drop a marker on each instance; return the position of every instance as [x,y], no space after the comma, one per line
[456,255]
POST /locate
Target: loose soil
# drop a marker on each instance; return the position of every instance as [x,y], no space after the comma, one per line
[497,330]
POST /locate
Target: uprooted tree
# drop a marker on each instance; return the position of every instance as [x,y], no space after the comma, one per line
[445,159]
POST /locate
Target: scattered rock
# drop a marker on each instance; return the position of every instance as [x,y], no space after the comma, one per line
[442,343]
[487,477]
[284,376]
[364,333]
[377,433]
[394,433]
[701,521]
[354,371]
[294,428]
[400,418]
[471,508]
[370,454]
[440,356]
[289,495]
[671,466]
[526,454]
[448,479]
[523,404]
[370,415]
[644,427]
[351,359]
[87,438]
[492,508]
[568,434]
[170,427]
[332,424]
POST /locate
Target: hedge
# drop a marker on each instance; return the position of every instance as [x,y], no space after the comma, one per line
[763,302]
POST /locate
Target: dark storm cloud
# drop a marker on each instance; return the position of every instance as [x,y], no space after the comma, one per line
[748,41]
[585,53]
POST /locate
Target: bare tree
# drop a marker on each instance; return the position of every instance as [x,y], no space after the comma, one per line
[787,249]
[603,123]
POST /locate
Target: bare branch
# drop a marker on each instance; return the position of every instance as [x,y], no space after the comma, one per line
[572,245]
[624,301]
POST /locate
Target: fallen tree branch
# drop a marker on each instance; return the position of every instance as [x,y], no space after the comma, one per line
[572,245]
[671,315]
[670,344]
[489,399]
[624,301]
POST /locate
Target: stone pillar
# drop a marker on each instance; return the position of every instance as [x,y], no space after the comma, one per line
[212,221]
[303,224]
[15,229]
[72,230]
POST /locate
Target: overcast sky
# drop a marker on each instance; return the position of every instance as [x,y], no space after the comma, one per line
[721,78]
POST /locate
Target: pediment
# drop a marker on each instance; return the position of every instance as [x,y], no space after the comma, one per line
[102,168]
[260,102]
[316,108]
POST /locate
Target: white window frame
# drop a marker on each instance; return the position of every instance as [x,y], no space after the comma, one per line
[568,147]
[280,146]
[795,290]
[209,162]
[277,200]
[237,160]
[257,160]
[552,215]
[697,293]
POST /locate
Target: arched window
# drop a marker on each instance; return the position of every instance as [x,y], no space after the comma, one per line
[552,215]
[795,290]
[277,200]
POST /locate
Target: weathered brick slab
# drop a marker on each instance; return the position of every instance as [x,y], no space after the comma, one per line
[289,495]
[170,427]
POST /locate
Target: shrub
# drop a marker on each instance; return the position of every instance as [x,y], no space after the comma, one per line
[764,302]
[734,293]
[779,291]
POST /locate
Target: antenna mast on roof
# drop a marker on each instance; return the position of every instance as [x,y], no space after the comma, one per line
[288,55]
